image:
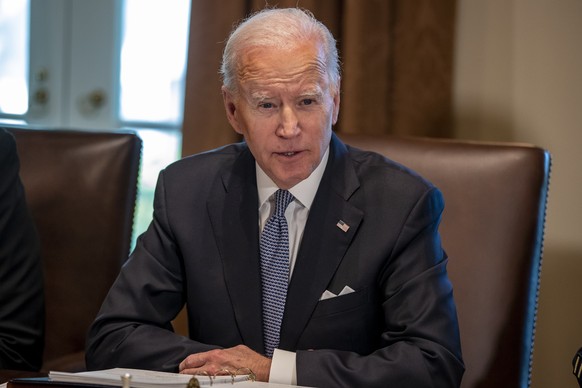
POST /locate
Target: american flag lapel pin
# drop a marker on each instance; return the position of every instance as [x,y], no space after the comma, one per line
[343,226]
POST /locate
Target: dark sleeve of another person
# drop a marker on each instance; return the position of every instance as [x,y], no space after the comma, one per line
[21,278]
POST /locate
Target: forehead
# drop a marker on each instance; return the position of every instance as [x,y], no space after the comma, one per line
[300,64]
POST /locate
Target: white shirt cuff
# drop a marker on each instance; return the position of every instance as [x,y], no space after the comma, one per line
[283,368]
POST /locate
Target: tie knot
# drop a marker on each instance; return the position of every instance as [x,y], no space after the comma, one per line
[282,199]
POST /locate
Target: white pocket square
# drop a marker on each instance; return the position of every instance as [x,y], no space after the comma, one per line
[328,294]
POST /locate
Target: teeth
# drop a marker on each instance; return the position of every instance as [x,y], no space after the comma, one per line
[289,153]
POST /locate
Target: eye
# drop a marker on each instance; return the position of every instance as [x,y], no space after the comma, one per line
[266,105]
[307,101]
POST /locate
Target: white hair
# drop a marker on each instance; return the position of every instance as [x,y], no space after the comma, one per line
[280,28]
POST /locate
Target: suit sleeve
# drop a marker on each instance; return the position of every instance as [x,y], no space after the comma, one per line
[21,281]
[419,345]
[133,328]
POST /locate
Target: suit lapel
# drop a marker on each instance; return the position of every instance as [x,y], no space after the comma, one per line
[324,243]
[235,224]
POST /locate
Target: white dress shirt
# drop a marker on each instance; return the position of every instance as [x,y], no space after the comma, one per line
[283,369]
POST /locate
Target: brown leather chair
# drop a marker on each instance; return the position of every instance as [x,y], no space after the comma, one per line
[81,189]
[492,229]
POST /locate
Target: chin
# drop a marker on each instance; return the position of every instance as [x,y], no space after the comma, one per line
[291,176]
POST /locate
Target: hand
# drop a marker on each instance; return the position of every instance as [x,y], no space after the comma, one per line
[217,360]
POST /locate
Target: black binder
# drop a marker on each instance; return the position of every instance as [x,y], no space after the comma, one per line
[577,366]
[45,382]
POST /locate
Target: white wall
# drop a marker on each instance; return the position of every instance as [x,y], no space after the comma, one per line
[519,78]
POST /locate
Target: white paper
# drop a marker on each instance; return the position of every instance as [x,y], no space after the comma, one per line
[141,378]
[151,379]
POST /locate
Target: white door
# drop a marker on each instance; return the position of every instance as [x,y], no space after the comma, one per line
[98,65]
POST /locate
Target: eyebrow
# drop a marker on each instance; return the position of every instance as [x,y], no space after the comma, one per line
[259,96]
[308,92]
[315,92]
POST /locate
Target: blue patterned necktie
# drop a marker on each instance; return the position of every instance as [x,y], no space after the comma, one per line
[274,247]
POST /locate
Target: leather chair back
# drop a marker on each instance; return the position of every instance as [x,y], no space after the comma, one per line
[492,230]
[81,189]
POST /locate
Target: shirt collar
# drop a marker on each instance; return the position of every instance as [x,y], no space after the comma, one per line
[303,191]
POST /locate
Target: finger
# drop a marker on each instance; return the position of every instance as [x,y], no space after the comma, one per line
[191,362]
[193,371]
[207,370]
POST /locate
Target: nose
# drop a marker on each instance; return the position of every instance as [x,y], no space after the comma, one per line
[289,123]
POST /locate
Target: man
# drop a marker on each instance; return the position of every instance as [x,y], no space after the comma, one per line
[365,293]
[21,281]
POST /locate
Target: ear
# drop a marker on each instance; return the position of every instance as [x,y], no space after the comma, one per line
[230,105]
[336,103]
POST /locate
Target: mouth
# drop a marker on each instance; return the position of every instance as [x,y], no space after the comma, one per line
[288,154]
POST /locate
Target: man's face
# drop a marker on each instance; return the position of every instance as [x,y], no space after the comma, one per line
[285,108]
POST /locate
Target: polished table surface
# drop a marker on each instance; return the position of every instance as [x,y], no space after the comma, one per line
[6,375]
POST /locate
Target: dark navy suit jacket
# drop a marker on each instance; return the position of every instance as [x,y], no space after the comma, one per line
[398,329]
